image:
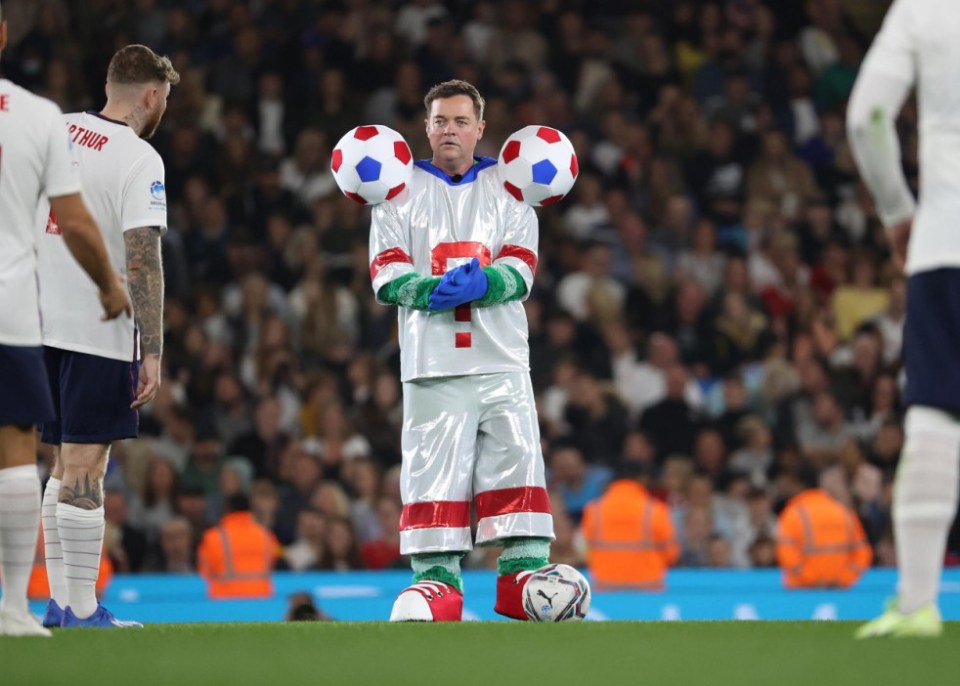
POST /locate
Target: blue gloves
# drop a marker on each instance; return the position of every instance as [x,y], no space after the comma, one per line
[461,285]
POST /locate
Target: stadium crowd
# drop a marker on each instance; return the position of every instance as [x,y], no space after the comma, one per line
[714,300]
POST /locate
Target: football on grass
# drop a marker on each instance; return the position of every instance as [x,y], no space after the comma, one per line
[556,593]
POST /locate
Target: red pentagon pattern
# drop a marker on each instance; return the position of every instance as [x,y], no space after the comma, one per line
[511,152]
[355,197]
[395,191]
[574,166]
[552,199]
[336,160]
[548,134]
[402,152]
[365,133]
[513,190]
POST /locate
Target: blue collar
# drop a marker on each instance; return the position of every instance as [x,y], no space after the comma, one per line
[479,163]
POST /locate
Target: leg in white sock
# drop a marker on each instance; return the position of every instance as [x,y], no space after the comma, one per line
[19,527]
[80,522]
[81,536]
[924,503]
[51,542]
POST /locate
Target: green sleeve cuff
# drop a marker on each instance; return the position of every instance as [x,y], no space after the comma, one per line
[504,284]
[409,290]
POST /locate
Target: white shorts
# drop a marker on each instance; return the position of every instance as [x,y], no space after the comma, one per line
[471,438]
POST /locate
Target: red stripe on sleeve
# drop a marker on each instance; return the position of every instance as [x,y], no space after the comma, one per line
[511,500]
[521,253]
[448,514]
[387,257]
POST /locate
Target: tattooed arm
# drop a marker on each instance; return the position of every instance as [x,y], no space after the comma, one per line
[145,279]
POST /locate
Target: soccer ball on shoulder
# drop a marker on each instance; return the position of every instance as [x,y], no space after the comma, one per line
[373,163]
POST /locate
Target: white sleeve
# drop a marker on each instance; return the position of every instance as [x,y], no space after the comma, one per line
[390,254]
[520,240]
[62,174]
[144,195]
[885,79]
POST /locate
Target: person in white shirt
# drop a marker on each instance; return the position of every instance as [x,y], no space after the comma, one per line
[101,375]
[36,160]
[457,254]
[917,45]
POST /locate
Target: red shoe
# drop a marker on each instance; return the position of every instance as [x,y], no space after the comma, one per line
[428,601]
[510,595]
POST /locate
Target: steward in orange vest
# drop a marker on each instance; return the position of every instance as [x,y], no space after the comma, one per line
[629,535]
[820,542]
[237,556]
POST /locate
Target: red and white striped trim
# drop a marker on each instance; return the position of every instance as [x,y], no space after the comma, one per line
[391,256]
[525,255]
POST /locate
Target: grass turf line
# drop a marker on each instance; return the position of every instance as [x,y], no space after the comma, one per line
[488,653]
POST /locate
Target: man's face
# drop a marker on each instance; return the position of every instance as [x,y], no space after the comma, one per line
[453,131]
[156,106]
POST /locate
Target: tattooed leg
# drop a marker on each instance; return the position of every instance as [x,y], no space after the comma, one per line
[80,522]
[83,468]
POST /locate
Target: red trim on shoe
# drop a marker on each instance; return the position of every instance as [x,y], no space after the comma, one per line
[512,500]
[510,595]
[445,601]
[446,514]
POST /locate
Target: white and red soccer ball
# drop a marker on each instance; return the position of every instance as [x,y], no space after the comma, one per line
[538,165]
[371,164]
[556,593]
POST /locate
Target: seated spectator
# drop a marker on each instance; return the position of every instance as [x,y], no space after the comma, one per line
[820,542]
[672,422]
[340,550]
[577,482]
[307,547]
[821,441]
[384,551]
[175,553]
[755,458]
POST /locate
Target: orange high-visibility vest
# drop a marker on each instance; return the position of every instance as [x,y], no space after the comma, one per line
[236,558]
[630,538]
[820,543]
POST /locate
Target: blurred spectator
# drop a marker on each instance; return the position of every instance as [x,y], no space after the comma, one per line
[340,551]
[576,482]
[306,549]
[176,549]
[123,543]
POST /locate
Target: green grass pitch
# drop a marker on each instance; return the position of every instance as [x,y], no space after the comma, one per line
[489,653]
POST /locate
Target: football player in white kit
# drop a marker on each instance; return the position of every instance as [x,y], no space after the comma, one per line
[918,45]
[457,254]
[99,376]
[35,160]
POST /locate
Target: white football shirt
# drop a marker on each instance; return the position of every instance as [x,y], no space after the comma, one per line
[35,161]
[437,224]
[916,45]
[123,185]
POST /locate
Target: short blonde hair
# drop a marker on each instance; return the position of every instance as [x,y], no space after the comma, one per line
[138,64]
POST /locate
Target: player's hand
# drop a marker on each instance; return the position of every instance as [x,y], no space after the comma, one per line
[899,235]
[115,301]
[464,284]
[149,382]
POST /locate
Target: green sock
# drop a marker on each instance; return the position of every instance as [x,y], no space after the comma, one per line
[523,555]
[442,567]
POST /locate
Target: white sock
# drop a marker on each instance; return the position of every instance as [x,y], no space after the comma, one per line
[81,539]
[924,503]
[19,527]
[51,542]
